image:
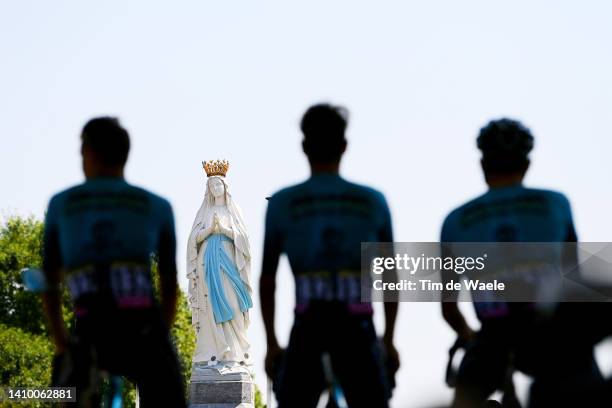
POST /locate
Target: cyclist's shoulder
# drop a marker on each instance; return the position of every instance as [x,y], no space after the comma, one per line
[554,194]
[456,212]
[285,194]
[354,191]
[156,200]
[491,197]
[312,187]
[60,197]
[555,198]
[364,189]
[451,226]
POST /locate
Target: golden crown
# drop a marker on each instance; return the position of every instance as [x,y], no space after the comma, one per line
[215,167]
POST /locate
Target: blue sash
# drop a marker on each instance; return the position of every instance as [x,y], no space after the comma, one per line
[215,261]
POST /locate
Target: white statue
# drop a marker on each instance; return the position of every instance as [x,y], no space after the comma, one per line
[218,269]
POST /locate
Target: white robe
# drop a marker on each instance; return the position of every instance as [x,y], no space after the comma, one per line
[227,341]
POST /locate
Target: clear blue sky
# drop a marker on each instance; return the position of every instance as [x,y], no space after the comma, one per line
[194,81]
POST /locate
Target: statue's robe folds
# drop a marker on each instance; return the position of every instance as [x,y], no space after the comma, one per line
[226,341]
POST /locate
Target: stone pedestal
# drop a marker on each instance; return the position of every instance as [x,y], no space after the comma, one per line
[212,387]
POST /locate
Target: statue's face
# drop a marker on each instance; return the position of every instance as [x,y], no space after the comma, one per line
[216,186]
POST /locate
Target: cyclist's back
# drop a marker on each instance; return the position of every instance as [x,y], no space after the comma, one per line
[107,231]
[511,334]
[99,239]
[320,224]
[512,213]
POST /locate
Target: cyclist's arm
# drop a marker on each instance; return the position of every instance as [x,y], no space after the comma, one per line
[450,309]
[167,269]
[390,317]
[267,288]
[453,316]
[391,305]
[569,255]
[267,280]
[52,267]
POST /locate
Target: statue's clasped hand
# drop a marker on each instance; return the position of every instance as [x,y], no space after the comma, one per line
[218,228]
[216,224]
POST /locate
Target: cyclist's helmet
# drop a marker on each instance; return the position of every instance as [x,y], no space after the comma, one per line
[505,136]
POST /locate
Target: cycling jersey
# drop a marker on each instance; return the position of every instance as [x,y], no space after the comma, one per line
[512,214]
[513,335]
[320,224]
[105,232]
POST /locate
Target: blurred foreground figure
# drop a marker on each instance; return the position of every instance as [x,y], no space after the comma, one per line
[320,225]
[99,239]
[518,335]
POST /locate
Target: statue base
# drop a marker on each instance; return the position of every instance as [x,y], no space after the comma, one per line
[221,387]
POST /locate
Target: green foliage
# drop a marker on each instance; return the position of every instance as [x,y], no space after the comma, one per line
[259,399]
[20,247]
[184,336]
[25,360]
[182,332]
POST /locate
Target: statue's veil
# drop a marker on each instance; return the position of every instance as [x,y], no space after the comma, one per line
[204,218]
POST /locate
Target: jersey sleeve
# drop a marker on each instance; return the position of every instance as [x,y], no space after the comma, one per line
[446,234]
[386,230]
[167,238]
[51,248]
[572,236]
[273,237]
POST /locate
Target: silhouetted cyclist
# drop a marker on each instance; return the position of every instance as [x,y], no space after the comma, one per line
[99,239]
[513,333]
[320,225]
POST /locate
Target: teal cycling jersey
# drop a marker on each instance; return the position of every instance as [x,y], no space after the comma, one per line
[103,233]
[320,225]
[510,214]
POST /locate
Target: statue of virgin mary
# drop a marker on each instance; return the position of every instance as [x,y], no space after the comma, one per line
[218,269]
